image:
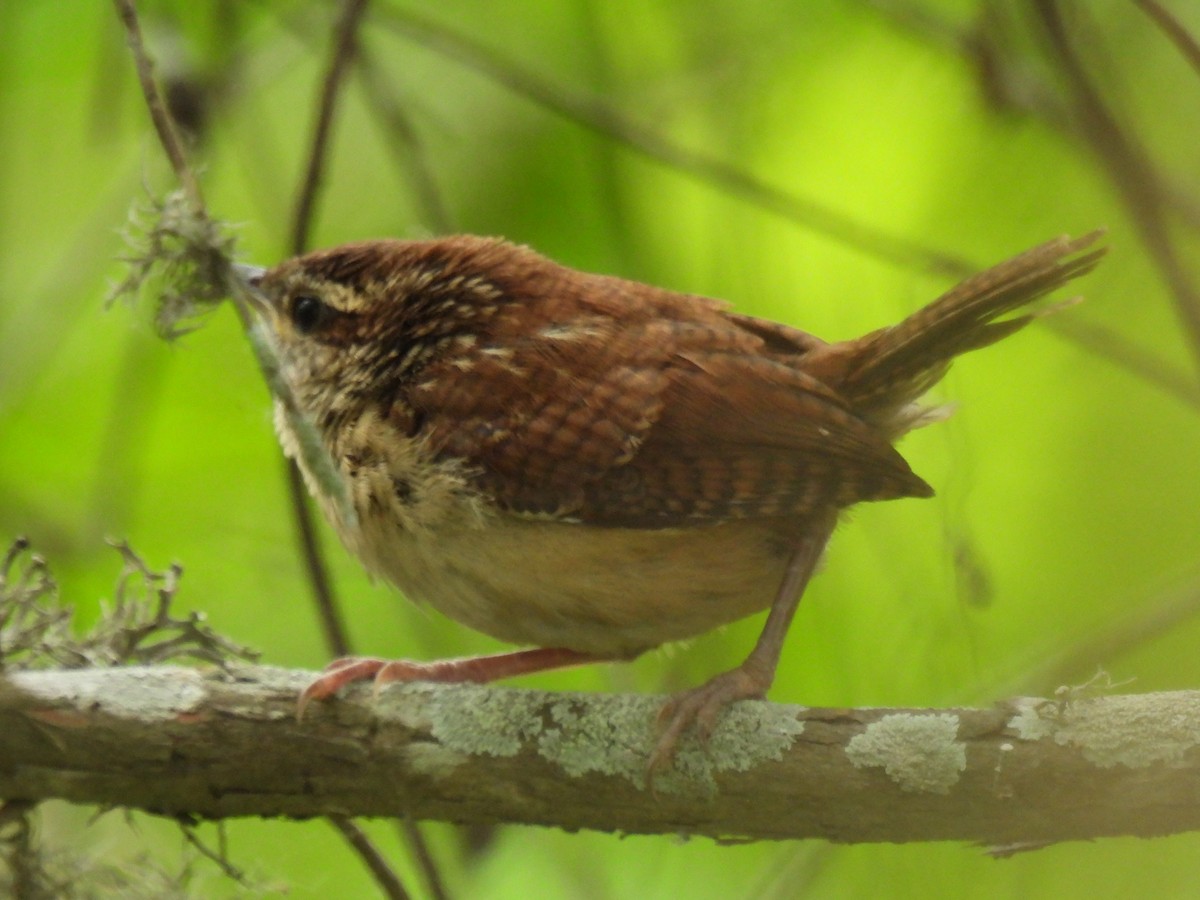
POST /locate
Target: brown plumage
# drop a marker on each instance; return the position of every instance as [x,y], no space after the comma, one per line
[591,465]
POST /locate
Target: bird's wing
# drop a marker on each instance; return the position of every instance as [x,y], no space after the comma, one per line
[662,413]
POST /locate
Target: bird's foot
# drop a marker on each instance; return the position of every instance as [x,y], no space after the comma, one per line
[701,707]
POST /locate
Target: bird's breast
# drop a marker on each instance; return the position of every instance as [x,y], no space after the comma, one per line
[609,591]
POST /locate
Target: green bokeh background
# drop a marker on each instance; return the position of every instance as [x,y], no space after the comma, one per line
[1068,497]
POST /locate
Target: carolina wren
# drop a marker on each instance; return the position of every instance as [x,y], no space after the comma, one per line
[593,466]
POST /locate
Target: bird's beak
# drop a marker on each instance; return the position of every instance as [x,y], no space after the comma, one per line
[245,288]
[249,274]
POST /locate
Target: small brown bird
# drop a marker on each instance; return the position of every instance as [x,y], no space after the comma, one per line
[591,466]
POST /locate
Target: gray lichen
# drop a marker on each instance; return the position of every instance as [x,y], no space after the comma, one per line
[1131,730]
[593,733]
[137,626]
[482,721]
[583,739]
[921,753]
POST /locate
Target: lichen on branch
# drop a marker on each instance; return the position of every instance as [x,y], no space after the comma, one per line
[136,627]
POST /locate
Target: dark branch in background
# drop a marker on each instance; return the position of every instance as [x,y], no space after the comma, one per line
[1130,169]
[1187,44]
[1178,196]
[168,134]
[596,115]
[198,237]
[219,856]
[1124,354]
[1150,620]
[328,609]
[389,113]
[343,52]
[371,856]
[411,834]
[1008,87]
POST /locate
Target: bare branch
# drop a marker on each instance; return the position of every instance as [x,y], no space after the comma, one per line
[168,134]
[185,742]
[371,857]
[1123,353]
[388,113]
[332,624]
[343,52]
[412,835]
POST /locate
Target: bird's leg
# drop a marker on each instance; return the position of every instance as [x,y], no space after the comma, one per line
[477,669]
[702,705]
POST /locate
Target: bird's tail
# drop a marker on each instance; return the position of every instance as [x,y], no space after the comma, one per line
[883,373]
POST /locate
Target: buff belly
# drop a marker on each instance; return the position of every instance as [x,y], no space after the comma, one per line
[606,591]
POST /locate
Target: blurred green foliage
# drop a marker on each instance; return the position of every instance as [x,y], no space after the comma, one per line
[1068,489]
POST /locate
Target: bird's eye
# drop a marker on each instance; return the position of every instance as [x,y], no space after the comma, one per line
[309,313]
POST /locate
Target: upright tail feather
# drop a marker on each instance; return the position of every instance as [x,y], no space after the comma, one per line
[886,370]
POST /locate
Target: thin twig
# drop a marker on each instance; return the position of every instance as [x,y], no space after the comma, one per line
[370,855]
[1125,354]
[1150,621]
[1017,88]
[413,836]
[218,856]
[390,114]
[593,113]
[333,627]
[318,572]
[168,134]
[343,52]
[344,49]
[977,47]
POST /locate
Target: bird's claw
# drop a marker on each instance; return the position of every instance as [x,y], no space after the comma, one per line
[342,672]
[701,708]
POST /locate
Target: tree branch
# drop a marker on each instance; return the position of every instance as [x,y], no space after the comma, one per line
[188,743]
[168,133]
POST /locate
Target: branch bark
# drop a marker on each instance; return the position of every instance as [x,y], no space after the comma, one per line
[185,742]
